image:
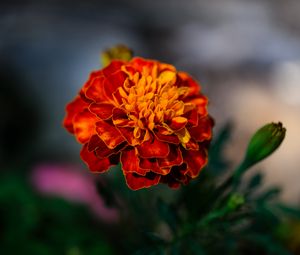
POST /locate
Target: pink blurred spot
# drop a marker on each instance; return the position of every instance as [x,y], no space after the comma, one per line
[72,184]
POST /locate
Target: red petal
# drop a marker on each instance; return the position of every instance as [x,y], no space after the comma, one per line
[192,117]
[76,106]
[93,75]
[114,66]
[128,134]
[84,125]
[136,182]
[195,160]
[152,164]
[192,145]
[173,158]
[113,82]
[109,134]
[176,177]
[185,80]
[100,148]
[130,162]
[120,118]
[153,149]
[94,163]
[102,110]
[203,131]
[96,90]
[164,135]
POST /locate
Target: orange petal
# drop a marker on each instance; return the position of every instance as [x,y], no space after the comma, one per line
[102,110]
[178,123]
[94,163]
[195,160]
[130,162]
[153,149]
[203,131]
[109,134]
[136,182]
[173,158]
[77,105]
[84,125]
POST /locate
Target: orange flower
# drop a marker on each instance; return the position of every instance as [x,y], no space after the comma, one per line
[147,116]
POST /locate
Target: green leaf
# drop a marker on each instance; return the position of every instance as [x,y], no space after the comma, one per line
[255,181]
[289,211]
[217,162]
[269,194]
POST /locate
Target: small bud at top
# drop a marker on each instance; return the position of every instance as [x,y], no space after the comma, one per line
[118,52]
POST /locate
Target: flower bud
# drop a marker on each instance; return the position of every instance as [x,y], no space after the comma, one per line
[235,201]
[119,52]
[264,142]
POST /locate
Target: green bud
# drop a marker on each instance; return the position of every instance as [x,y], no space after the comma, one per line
[235,201]
[264,142]
[119,52]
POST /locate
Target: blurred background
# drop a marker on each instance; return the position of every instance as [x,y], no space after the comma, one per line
[246,54]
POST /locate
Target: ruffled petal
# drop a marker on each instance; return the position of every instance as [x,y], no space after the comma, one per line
[152,164]
[201,103]
[113,82]
[114,66]
[128,134]
[195,161]
[191,145]
[203,131]
[109,134]
[192,117]
[77,105]
[120,118]
[186,80]
[101,150]
[96,92]
[174,158]
[84,125]
[135,181]
[153,149]
[94,163]
[176,176]
[93,75]
[102,110]
[130,162]
[164,135]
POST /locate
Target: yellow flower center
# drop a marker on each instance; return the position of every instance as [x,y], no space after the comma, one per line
[151,98]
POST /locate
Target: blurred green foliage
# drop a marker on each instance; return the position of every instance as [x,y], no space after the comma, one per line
[211,215]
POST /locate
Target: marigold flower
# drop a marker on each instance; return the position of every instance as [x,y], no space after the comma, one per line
[146,115]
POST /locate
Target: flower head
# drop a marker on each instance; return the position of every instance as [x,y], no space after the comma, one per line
[146,115]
